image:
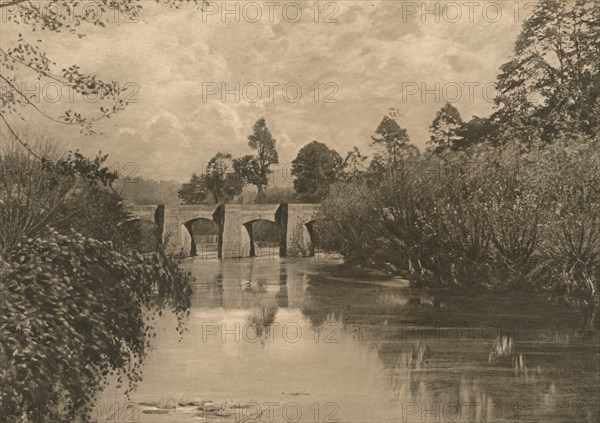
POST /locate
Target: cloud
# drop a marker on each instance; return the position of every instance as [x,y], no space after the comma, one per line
[369,56]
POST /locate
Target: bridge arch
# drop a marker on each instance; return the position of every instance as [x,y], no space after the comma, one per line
[203,237]
[264,235]
[312,238]
[300,234]
[179,226]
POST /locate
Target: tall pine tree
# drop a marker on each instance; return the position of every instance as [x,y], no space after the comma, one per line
[445,129]
[393,143]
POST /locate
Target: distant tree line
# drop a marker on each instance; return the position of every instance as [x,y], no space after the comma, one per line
[142,191]
[315,168]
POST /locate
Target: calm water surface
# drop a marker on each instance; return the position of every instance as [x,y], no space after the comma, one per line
[313,341]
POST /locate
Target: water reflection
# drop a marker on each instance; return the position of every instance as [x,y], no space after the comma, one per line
[261,321]
[366,348]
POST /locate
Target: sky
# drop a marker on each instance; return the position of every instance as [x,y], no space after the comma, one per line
[326,71]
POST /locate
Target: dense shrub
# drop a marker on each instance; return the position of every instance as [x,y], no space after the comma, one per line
[352,222]
[77,300]
[61,192]
[73,311]
[569,247]
[491,217]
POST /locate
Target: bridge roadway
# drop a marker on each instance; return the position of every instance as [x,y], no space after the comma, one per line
[234,222]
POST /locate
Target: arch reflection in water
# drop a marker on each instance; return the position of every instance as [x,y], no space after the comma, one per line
[242,285]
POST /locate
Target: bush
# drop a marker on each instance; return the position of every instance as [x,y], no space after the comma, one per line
[77,301]
[491,218]
[351,222]
[73,312]
[568,256]
[62,192]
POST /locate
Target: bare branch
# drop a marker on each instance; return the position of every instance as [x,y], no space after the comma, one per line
[23,143]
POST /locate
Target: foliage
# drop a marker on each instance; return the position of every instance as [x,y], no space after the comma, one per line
[76,298]
[296,247]
[226,177]
[354,164]
[57,191]
[255,169]
[220,181]
[29,58]
[551,86]
[74,311]
[490,218]
[92,171]
[477,131]
[569,249]
[515,205]
[248,168]
[194,191]
[350,222]
[315,168]
[445,129]
[393,143]
[273,195]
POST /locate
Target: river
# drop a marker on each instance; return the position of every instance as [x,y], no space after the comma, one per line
[311,340]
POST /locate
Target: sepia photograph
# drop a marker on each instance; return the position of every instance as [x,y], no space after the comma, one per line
[303,211]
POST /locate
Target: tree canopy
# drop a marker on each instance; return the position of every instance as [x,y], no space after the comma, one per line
[551,86]
[393,143]
[315,168]
[354,164]
[445,129]
[220,182]
[257,168]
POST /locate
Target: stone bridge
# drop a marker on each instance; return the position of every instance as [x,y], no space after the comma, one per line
[234,223]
